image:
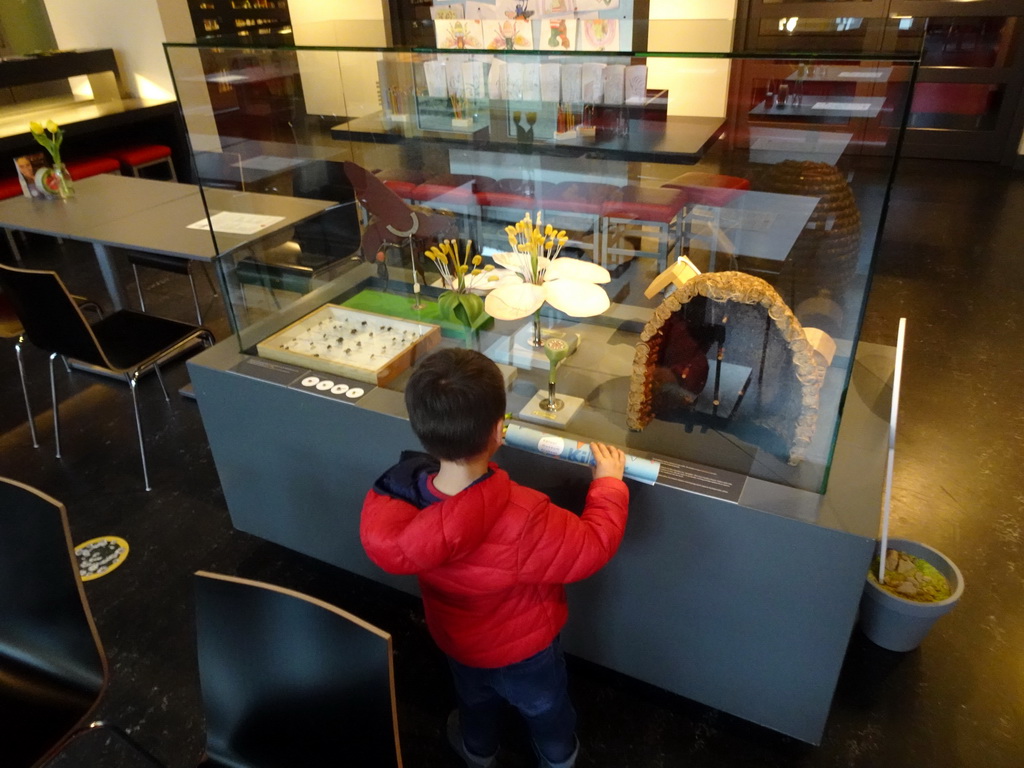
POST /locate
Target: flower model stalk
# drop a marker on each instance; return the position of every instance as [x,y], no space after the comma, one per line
[556,351]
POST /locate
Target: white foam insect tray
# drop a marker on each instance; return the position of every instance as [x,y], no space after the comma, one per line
[361,345]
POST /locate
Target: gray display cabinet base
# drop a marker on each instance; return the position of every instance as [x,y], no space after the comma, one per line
[746,607]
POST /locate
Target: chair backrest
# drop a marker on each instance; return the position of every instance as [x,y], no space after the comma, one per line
[52,666]
[10,325]
[289,680]
[52,320]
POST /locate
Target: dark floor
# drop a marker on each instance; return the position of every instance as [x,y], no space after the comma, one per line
[950,262]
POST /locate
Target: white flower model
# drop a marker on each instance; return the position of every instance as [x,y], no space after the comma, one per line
[569,285]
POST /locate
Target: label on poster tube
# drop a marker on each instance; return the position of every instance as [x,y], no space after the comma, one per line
[535,441]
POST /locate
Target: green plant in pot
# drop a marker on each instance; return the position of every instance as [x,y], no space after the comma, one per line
[921,586]
[460,269]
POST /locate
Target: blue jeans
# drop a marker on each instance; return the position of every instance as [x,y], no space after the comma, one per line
[536,686]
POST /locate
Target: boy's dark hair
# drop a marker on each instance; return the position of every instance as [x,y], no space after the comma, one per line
[454,398]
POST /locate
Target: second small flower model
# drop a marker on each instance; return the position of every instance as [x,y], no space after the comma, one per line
[460,271]
[569,285]
[55,181]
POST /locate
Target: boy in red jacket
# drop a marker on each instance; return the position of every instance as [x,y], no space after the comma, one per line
[491,555]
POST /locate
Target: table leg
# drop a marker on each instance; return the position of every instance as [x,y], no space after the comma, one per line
[114,287]
[14,245]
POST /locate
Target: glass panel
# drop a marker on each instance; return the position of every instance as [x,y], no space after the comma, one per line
[767,175]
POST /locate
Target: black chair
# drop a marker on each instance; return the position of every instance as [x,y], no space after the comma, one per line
[11,328]
[288,680]
[124,343]
[53,671]
[175,264]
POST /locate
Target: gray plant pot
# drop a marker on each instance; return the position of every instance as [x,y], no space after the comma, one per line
[900,624]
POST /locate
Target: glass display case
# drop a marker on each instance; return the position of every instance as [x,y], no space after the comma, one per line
[725,210]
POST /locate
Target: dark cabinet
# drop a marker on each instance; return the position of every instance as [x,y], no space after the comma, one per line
[971,76]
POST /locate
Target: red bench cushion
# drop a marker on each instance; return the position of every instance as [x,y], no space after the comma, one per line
[141,154]
[92,166]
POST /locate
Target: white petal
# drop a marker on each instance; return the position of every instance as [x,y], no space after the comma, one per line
[518,262]
[511,302]
[574,269]
[576,299]
[491,279]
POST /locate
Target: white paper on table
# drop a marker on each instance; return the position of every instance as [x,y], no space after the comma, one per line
[437,82]
[268,163]
[550,81]
[868,74]
[636,84]
[572,83]
[615,84]
[229,222]
[853,106]
[593,82]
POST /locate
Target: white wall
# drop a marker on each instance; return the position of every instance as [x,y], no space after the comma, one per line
[698,87]
[133,28]
[342,83]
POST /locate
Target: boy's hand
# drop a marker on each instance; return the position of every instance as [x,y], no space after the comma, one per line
[609,461]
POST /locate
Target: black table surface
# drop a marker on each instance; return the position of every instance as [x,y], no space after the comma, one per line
[674,139]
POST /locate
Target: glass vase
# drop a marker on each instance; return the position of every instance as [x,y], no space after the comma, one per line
[58,182]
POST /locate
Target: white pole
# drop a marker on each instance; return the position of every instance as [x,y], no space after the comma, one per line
[897,375]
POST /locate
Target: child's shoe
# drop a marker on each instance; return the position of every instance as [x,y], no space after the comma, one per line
[567,763]
[455,739]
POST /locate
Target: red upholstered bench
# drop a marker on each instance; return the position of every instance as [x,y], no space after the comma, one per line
[575,206]
[515,194]
[9,188]
[92,166]
[401,181]
[140,156]
[643,212]
[706,194]
[453,192]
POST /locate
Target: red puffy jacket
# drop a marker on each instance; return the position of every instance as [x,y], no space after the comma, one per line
[491,560]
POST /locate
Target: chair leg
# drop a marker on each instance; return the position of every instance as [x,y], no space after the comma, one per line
[13,244]
[138,287]
[160,378]
[206,274]
[133,381]
[195,296]
[24,392]
[53,401]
